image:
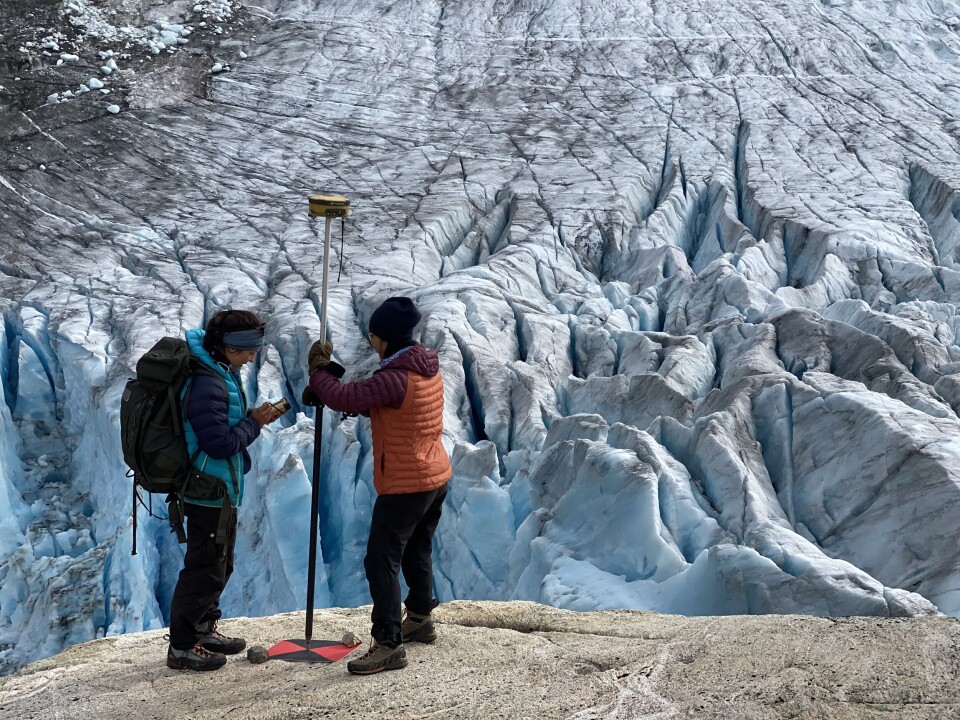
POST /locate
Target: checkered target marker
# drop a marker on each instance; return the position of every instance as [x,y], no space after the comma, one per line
[314,651]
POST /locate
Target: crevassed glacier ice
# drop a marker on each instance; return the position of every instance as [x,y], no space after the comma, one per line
[692,271]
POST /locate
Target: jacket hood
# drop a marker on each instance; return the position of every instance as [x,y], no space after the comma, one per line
[418,359]
[195,343]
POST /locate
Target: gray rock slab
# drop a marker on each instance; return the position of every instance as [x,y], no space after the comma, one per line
[524,660]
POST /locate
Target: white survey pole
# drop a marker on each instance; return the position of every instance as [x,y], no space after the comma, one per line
[326,277]
[327,206]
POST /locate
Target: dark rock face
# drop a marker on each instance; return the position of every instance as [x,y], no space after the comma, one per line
[46,52]
[25,76]
[181,79]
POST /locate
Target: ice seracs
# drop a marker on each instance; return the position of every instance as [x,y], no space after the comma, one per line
[694,296]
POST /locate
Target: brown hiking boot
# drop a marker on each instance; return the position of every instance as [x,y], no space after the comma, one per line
[418,628]
[378,658]
[196,658]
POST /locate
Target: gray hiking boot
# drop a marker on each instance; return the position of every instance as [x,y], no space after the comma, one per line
[196,658]
[417,628]
[216,642]
[378,658]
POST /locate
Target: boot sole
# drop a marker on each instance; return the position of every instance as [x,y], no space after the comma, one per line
[174,665]
[395,665]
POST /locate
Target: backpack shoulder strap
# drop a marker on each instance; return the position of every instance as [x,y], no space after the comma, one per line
[200,368]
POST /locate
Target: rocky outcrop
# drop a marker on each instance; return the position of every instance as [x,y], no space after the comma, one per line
[524,660]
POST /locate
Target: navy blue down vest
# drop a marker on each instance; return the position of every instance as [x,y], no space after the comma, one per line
[216,422]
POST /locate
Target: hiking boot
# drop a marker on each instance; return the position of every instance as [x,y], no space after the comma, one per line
[196,658]
[418,628]
[216,642]
[378,658]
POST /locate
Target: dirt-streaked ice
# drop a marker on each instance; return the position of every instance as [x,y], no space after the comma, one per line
[692,271]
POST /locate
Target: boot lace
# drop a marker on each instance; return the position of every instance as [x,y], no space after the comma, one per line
[409,617]
[201,651]
[216,633]
[374,646]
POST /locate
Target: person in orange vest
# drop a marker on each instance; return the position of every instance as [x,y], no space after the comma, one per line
[411,468]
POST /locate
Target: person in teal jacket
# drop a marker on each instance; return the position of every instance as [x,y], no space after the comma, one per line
[219,428]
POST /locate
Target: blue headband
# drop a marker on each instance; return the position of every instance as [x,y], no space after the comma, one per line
[244,339]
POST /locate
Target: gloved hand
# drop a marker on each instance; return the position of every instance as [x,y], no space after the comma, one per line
[309,397]
[320,353]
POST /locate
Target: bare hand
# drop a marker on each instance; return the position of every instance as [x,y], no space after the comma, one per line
[265,414]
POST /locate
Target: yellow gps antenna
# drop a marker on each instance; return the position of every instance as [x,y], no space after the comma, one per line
[327,206]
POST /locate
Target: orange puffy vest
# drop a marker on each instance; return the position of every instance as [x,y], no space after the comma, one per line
[408,455]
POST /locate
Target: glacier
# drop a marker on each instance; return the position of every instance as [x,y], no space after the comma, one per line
[692,271]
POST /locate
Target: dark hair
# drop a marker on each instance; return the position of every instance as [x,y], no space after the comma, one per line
[226,321]
[395,347]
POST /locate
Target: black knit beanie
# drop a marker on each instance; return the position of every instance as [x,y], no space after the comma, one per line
[395,320]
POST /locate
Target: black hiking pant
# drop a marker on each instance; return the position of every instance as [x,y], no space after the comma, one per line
[206,569]
[401,538]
